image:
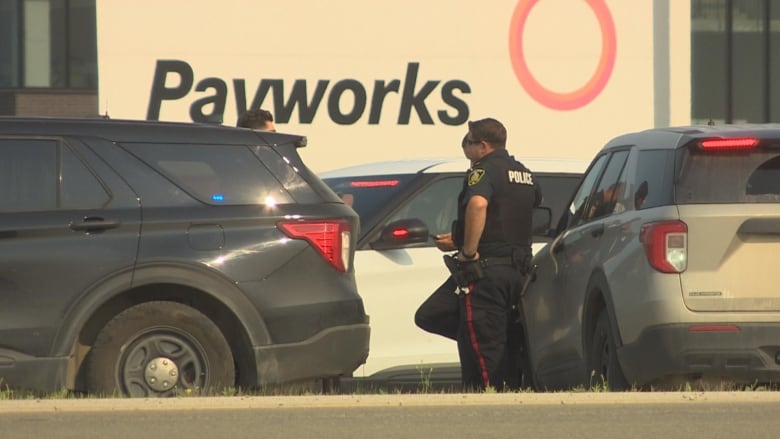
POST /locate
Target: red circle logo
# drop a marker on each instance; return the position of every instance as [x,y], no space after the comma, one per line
[585,94]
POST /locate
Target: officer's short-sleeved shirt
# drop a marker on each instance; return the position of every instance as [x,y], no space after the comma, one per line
[511,193]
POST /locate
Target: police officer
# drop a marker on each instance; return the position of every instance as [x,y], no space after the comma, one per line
[493,239]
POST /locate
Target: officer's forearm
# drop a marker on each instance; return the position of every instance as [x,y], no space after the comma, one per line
[476,212]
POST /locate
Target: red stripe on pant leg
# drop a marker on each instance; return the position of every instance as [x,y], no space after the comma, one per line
[473,336]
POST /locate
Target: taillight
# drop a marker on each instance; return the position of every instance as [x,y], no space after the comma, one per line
[666,245]
[723,144]
[329,237]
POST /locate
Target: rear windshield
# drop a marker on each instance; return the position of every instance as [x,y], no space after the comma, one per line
[728,176]
[366,195]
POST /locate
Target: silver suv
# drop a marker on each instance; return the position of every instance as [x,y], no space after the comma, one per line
[663,270]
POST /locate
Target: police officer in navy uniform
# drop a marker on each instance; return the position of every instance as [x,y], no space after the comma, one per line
[493,233]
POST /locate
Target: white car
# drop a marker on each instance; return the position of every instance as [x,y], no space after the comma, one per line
[400,204]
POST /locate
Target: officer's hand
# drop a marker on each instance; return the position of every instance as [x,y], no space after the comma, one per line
[444,242]
[462,258]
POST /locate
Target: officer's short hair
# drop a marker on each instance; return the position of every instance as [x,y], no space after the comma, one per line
[255,119]
[489,130]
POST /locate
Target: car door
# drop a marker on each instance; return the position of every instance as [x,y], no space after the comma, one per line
[67,223]
[581,253]
[395,281]
[545,300]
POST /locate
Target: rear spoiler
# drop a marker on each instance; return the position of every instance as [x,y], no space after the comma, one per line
[274,138]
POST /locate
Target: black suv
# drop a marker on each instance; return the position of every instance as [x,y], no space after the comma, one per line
[148,258]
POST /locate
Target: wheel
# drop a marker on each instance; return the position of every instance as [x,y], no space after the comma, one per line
[603,366]
[159,349]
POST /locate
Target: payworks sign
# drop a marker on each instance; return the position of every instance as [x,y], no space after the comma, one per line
[211,107]
[363,102]
[379,81]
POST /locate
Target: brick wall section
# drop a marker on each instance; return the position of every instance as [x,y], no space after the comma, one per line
[7,103]
[49,103]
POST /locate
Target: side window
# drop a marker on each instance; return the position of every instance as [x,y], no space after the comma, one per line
[580,200]
[436,205]
[79,189]
[32,177]
[557,190]
[648,188]
[287,174]
[215,174]
[28,175]
[609,190]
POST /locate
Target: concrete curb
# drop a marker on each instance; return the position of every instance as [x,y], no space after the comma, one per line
[363,401]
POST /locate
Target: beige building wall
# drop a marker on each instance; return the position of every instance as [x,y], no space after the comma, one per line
[573,57]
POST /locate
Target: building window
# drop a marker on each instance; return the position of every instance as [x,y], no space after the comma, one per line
[734,72]
[9,43]
[48,44]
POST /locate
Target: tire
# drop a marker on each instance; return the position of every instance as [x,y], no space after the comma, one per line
[159,349]
[603,367]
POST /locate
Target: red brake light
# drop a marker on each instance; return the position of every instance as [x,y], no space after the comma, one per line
[331,238]
[666,245]
[374,183]
[738,143]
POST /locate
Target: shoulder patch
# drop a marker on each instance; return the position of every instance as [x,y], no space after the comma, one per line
[475,176]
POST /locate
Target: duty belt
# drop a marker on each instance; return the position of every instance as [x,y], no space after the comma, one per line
[496,260]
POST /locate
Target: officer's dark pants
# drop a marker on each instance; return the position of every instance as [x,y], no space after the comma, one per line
[489,339]
[439,313]
[487,344]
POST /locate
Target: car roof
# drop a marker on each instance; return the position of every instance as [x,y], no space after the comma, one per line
[450,164]
[675,137]
[121,130]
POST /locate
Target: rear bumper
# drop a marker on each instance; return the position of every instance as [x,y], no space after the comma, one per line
[430,377]
[333,352]
[20,371]
[336,351]
[744,356]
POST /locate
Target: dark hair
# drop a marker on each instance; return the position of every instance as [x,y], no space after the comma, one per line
[255,119]
[489,130]
[465,142]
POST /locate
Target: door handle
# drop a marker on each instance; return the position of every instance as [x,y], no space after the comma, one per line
[95,224]
[597,231]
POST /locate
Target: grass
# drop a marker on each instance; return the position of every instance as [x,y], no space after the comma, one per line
[7,393]
[598,384]
[425,379]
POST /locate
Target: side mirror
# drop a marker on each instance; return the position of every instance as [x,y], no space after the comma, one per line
[401,233]
[540,222]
